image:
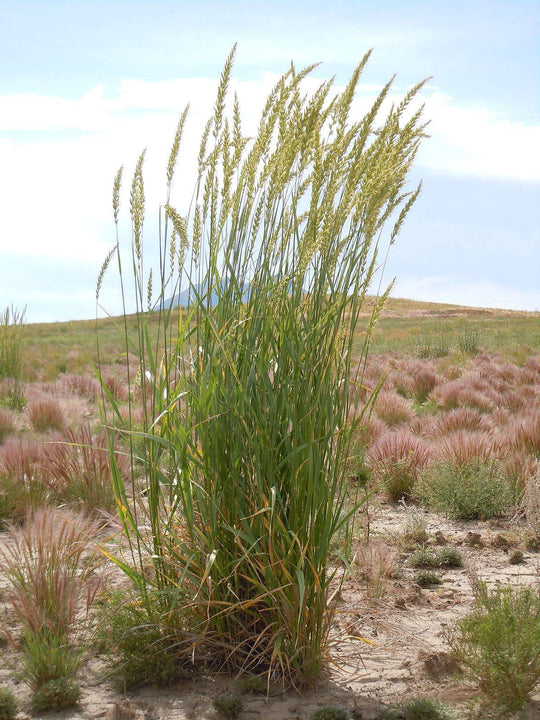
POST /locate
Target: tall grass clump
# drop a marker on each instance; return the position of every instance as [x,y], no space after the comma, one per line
[12,331]
[249,389]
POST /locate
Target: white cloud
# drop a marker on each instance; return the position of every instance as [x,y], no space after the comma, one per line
[59,155]
[479,142]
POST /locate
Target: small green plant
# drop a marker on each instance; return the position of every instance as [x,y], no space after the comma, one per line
[473,490]
[445,557]
[425,578]
[140,651]
[330,712]
[7,424]
[417,709]
[499,644]
[230,705]
[9,706]
[57,694]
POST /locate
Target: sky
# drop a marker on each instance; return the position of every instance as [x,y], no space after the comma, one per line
[86,86]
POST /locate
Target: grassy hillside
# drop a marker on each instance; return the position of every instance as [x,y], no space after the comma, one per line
[408,327]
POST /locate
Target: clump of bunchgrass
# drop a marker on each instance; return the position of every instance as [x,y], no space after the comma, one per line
[45,413]
[499,644]
[80,467]
[249,393]
[395,461]
[51,587]
[24,483]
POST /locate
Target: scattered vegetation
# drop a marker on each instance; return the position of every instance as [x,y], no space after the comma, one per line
[425,578]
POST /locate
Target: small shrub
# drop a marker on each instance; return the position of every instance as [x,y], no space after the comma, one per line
[445,557]
[57,694]
[330,712]
[9,706]
[425,578]
[44,414]
[474,490]
[230,705]
[499,644]
[417,709]
[140,650]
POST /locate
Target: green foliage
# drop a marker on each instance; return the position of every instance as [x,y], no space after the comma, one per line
[499,644]
[468,342]
[12,334]
[57,694]
[9,706]
[445,557]
[47,656]
[249,392]
[330,712]
[434,347]
[425,578]
[417,709]
[140,651]
[230,705]
[473,490]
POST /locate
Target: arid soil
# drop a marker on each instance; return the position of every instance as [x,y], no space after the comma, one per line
[387,642]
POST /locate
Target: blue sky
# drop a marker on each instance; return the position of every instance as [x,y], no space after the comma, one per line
[84,86]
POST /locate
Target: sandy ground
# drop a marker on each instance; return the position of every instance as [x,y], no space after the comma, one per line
[384,649]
